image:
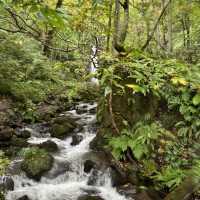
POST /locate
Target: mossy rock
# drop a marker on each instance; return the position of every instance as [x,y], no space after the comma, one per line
[36,162]
[19,142]
[62,127]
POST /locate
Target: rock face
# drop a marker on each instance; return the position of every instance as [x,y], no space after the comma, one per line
[76,139]
[6,183]
[62,127]
[36,162]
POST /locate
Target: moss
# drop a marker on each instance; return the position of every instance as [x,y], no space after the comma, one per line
[36,162]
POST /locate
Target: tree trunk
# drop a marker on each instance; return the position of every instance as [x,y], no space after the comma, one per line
[109,25]
[48,36]
[170,18]
[155,26]
[120,28]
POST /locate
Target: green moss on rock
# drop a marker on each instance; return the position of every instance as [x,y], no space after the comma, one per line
[36,162]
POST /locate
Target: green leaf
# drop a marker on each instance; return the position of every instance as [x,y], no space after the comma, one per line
[196,99]
[137,88]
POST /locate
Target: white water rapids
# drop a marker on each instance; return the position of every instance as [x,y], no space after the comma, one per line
[67,184]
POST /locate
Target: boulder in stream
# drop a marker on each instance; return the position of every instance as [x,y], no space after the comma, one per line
[25,197]
[89,197]
[24,133]
[62,127]
[36,162]
[89,165]
[49,146]
[76,139]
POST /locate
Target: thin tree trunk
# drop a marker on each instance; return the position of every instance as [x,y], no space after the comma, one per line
[155,26]
[109,26]
[170,42]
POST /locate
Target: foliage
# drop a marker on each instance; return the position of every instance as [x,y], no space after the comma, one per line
[169,177]
[4,162]
[141,140]
[165,155]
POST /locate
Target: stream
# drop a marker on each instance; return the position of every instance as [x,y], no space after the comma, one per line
[62,183]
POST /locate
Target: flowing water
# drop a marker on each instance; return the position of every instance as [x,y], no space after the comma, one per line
[62,183]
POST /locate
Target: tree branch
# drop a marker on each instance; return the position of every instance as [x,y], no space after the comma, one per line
[155,26]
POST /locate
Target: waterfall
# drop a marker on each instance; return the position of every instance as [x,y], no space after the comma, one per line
[94,64]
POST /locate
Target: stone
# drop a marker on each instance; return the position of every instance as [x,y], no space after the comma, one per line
[25,197]
[25,133]
[89,197]
[47,111]
[76,139]
[19,142]
[118,176]
[127,190]
[6,133]
[62,127]
[93,178]
[93,110]
[89,165]
[58,169]
[6,183]
[36,162]
[49,146]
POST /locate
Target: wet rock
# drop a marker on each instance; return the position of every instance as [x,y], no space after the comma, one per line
[93,110]
[98,142]
[127,190]
[147,195]
[76,139]
[25,133]
[91,191]
[6,133]
[19,142]
[58,169]
[6,183]
[47,111]
[89,197]
[89,165]
[36,162]
[25,197]
[49,146]
[62,127]
[81,109]
[93,178]
[14,168]
[118,176]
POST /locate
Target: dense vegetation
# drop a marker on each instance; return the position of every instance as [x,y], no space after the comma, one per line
[149,78]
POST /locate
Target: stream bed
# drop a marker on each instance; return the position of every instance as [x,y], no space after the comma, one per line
[67,180]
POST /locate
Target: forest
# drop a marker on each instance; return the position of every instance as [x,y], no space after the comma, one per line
[99,100]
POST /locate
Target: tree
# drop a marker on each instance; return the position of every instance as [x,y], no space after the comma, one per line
[120,28]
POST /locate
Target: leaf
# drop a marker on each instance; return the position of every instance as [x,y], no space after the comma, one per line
[107,91]
[196,99]
[137,88]
[179,80]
